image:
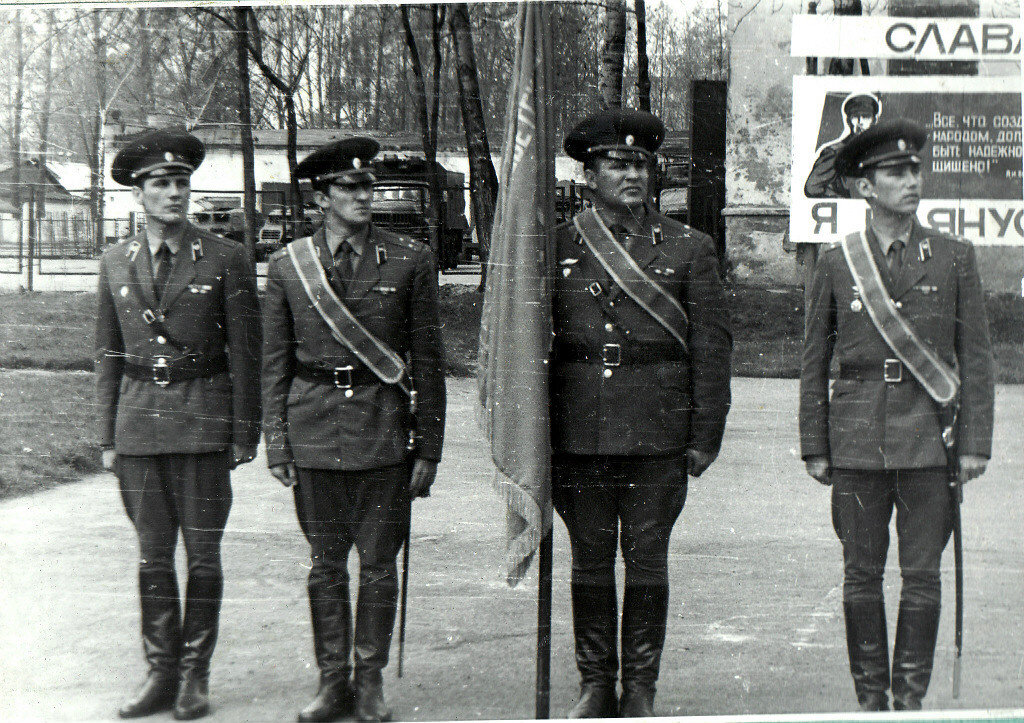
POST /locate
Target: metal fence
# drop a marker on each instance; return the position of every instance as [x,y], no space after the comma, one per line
[61,237]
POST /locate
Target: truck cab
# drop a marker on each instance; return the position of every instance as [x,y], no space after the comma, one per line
[401,204]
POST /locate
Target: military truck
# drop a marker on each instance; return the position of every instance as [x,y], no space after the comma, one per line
[401,203]
[225,221]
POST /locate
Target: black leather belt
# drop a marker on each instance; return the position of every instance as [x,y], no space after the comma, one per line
[890,371]
[344,377]
[613,355]
[164,370]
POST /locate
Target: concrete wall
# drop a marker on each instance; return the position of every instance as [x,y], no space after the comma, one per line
[759,139]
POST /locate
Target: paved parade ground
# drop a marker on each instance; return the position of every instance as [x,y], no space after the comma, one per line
[755,622]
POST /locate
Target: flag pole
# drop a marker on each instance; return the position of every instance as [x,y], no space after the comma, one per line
[543,698]
[544,78]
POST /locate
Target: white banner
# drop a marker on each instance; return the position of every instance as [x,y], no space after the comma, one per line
[879,36]
[972,163]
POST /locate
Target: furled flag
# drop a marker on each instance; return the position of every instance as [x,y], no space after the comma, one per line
[515,333]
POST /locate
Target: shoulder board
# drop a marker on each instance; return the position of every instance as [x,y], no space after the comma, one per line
[119,246]
[403,241]
[215,238]
[279,254]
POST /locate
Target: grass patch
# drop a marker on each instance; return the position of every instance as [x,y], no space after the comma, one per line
[47,433]
[47,330]
[55,331]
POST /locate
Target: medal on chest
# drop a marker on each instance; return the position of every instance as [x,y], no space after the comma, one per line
[856,305]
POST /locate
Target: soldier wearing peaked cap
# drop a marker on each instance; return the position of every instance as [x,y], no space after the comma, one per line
[860,112]
[900,307]
[640,392]
[352,339]
[177,359]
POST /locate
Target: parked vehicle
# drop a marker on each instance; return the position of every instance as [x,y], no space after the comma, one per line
[401,203]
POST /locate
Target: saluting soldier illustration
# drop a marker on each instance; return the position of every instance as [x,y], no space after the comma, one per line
[177,363]
[900,307]
[860,112]
[640,392]
[354,394]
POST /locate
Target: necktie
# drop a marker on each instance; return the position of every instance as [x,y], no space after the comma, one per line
[895,257]
[343,260]
[163,269]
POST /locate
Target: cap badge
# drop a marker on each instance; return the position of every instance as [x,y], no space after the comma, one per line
[901,144]
[356,163]
[630,140]
[169,157]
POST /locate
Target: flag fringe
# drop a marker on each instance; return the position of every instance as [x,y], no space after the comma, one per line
[524,521]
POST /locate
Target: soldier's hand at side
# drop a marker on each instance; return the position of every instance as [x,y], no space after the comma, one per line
[818,468]
[108,457]
[285,474]
[423,473]
[971,466]
[243,453]
[697,462]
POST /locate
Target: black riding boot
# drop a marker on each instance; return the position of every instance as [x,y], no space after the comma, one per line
[161,644]
[595,623]
[202,615]
[375,621]
[868,644]
[331,613]
[644,615]
[916,630]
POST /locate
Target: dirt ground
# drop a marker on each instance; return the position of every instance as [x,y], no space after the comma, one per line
[755,624]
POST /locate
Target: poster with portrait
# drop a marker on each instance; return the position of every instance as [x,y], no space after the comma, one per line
[971,164]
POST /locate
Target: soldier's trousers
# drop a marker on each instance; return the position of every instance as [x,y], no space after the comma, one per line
[167,492]
[606,500]
[370,510]
[862,506]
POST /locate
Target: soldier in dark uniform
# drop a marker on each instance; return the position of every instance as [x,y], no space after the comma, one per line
[338,375]
[877,439]
[177,349]
[860,111]
[640,392]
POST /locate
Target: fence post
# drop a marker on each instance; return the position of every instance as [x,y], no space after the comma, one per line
[30,217]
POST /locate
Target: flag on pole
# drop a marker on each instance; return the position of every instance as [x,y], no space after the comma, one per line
[515,332]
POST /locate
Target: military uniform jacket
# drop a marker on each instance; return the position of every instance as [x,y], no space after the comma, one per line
[394,295]
[210,307]
[872,424]
[650,408]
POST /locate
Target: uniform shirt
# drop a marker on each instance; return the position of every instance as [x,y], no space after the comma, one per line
[209,307]
[317,426]
[871,424]
[174,245]
[655,408]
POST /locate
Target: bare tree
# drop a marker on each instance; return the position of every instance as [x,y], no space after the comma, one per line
[643,76]
[245,129]
[613,54]
[483,181]
[428,120]
[253,39]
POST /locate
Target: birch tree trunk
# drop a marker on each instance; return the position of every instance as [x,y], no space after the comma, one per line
[613,55]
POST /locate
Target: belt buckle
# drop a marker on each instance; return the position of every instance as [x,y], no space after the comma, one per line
[611,355]
[161,372]
[892,372]
[343,382]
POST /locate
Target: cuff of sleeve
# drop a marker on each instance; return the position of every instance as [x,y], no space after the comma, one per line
[278,456]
